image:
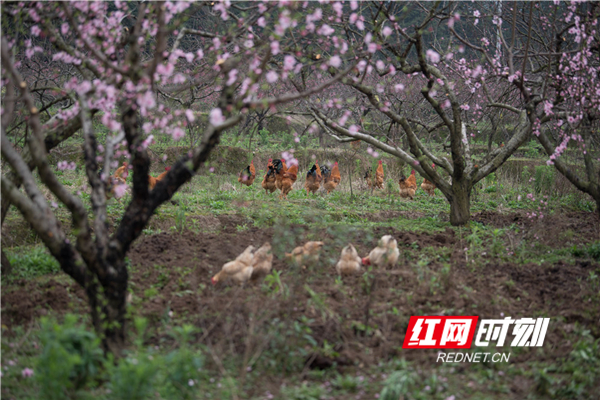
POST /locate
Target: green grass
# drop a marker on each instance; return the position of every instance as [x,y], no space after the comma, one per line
[31,262]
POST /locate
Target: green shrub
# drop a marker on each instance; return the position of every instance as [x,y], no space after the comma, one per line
[70,359]
[181,367]
[289,347]
[594,251]
[348,383]
[134,377]
[398,385]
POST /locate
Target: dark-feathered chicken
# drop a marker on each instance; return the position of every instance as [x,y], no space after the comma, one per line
[325,171]
[368,178]
[313,179]
[268,182]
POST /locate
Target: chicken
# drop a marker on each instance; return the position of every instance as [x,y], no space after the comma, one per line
[238,270]
[349,261]
[307,254]
[288,180]
[280,169]
[385,254]
[379,176]
[152,181]
[428,186]
[412,179]
[313,179]
[262,263]
[268,182]
[369,178]
[333,179]
[408,186]
[161,176]
[113,181]
[118,175]
[325,172]
[246,176]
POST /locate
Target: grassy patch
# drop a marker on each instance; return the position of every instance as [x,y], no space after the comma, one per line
[31,262]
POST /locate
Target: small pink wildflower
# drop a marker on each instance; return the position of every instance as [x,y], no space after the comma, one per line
[27,372]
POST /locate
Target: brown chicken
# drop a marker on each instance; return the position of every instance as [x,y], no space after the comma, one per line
[247,176]
[428,186]
[385,254]
[412,179]
[152,181]
[238,270]
[288,180]
[408,186]
[280,169]
[307,254]
[268,182]
[262,262]
[379,176]
[161,176]
[332,179]
[313,179]
[117,179]
[349,261]
[118,175]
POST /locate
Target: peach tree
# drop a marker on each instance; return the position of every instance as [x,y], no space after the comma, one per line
[140,69]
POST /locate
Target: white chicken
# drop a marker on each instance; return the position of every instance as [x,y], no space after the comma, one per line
[349,262]
[385,254]
[238,270]
[305,255]
[262,263]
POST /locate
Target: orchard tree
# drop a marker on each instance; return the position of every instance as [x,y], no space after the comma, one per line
[121,62]
[404,61]
[563,76]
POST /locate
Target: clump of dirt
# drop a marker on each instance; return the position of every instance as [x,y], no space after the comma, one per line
[33,299]
[420,240]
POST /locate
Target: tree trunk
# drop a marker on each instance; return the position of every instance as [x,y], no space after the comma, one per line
[113,316]
[460,203]
[108,303]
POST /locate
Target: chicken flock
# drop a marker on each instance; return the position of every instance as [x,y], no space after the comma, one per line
[280,177]
[252,265]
